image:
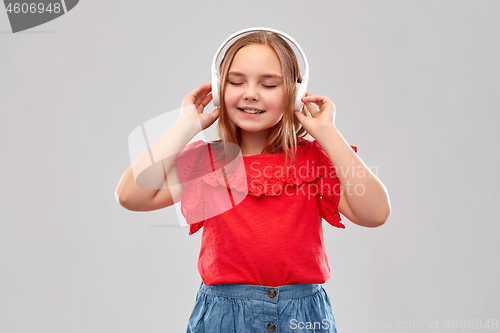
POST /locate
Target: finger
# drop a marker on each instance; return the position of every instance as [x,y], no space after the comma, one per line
[209,119]
[300,116]
[207,100]
[311,108]
[316,99]
[201,95]
[204,103]
[192,97]
[215,113]
[200,89]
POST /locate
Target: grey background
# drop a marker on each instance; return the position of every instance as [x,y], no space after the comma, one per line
[416,87]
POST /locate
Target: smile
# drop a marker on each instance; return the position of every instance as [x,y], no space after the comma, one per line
[251,111]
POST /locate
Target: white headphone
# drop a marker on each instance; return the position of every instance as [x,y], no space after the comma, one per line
[301,87]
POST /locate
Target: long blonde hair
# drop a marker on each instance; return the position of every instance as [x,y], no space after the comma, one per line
[283,136]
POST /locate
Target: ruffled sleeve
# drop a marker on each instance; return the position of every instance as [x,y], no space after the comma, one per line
[214,181]
[193,163]
[329,187]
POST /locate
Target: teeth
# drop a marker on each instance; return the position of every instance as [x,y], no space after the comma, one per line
[251,111]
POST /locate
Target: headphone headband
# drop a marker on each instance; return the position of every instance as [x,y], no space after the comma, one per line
[301,87]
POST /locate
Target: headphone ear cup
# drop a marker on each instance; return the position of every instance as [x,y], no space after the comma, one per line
[301,92]
[215,91]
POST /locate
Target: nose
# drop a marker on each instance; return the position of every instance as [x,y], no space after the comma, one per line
[250,93]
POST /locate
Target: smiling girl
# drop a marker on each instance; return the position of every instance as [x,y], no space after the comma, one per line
[262,260]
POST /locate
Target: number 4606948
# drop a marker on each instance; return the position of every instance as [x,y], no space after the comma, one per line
[32,8]
[471,324]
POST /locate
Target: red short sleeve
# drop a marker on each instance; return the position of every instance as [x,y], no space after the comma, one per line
[329,187]
[213,181]
[192,163]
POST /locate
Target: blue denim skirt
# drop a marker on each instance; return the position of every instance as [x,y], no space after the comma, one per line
[242,308]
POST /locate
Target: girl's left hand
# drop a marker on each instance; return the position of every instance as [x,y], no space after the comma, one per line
[320,119]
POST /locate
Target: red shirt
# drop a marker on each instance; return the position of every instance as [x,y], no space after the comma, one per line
[262,223]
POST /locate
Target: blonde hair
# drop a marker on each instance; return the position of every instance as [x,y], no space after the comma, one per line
[283,136]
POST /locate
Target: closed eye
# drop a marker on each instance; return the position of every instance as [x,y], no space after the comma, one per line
[240,83]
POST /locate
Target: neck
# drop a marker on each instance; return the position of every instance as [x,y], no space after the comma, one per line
[253,143]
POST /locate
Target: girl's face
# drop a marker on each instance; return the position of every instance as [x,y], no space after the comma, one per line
[254,91]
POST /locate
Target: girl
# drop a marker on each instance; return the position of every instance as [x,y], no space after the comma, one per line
[262,259]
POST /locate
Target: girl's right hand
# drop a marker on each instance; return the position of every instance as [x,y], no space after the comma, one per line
[194,104]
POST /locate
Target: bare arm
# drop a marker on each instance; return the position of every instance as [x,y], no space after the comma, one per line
[144,186]
[364,199]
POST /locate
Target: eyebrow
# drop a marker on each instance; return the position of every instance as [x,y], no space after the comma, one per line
[274,76]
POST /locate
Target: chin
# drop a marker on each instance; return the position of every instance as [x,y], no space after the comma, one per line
[253,129]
